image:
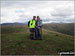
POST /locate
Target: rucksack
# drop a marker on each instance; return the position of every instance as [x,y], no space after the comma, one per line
[28,23]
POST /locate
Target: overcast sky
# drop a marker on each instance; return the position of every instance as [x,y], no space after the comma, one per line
[49,11]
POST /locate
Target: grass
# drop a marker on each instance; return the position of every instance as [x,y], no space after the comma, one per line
[15,41]
[65,28]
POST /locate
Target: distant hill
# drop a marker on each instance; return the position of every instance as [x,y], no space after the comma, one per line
[14,23]
[65,28]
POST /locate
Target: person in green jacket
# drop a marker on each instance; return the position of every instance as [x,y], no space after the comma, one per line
[31,25]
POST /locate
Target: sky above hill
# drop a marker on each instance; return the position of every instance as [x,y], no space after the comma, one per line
[49,11]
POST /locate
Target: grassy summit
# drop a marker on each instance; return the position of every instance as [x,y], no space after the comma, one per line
[15,41]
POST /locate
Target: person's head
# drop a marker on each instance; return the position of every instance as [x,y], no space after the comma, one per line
[34,17]
[38,18]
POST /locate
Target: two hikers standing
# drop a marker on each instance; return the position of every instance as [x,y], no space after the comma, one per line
[35,27]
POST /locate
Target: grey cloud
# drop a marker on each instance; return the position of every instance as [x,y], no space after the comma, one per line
[7,3]
[21,3]
[62,12]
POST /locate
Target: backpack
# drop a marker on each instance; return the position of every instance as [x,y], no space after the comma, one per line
[28,23]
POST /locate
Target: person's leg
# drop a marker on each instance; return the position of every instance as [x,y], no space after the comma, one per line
[40,37]
[31,34]
[36,37]
[35,34]
[40,34]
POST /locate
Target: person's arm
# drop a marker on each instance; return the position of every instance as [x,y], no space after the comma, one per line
[40,23]
[36,24]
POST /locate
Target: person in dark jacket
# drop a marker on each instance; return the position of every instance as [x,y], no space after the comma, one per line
[38,31]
